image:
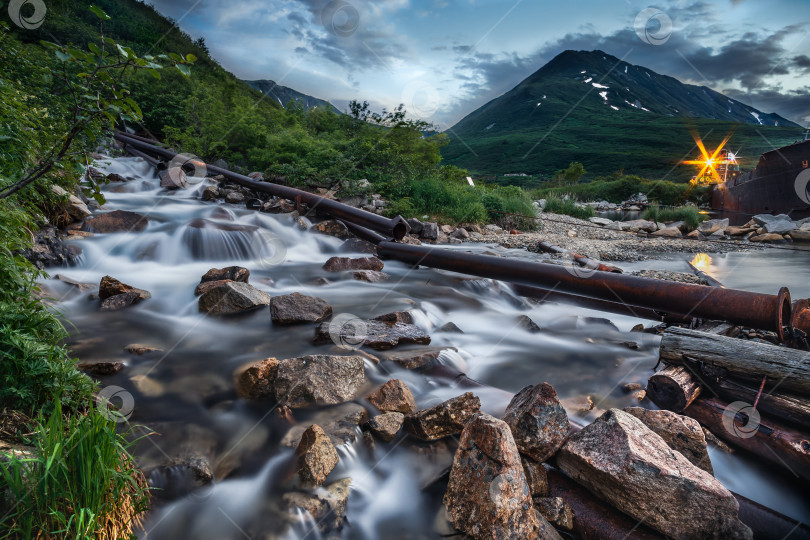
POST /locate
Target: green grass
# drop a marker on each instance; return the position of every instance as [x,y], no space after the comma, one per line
[80,482]
[620,187]
[567,207]
[688,214]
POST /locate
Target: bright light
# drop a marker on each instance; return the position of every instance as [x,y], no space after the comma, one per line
[702,262]
[708,174]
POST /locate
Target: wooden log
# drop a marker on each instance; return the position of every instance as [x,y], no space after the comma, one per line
[787,408]
[742,359]
[673,388]
[776,443]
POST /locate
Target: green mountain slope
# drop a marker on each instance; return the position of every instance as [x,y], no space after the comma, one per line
[283,95]
[610,115]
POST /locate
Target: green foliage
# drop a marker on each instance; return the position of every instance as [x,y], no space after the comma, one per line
[568,207]
[510,208]
[661,214]
[619,188]
[34,368]
[79,482]
[571,175]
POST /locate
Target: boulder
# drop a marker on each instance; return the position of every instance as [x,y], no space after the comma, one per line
[767,238]
[110,286]
[739,231]
[416,226]
[319,380]
[713,225]
[538,421]
[140,349]
[78,284]
[340,423]
[331,227]
[374,334]
[393,396]
[210,193]
[386,426]
[339,264]
[232,273]
[256,381]
[315,457]
[460,233]
[231,298]
[536,477]
[600,221]
[101,369]
[115,221]
[525,322]
[450,328]
[622,461]
[356,245]
[779,227]
[447,418]
[396,317]
[174,178]
[415,358]
[668,232]
[120,301]
[800,235]
[369,276]
[556,511]
[492,229]
[297,308]
[430,231]
[234,197]
[74,206]
[637,225]
[206,286]
[487,495]
[763,219]
[681,433]
[326,507]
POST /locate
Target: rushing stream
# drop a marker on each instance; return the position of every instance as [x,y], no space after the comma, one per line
[185,393]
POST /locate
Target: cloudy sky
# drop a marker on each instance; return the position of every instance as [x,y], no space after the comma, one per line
[444,58]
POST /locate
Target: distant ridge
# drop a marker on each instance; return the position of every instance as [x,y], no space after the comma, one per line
[284,95]
[591,107]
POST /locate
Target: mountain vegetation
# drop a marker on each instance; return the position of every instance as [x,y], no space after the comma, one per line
[611,116]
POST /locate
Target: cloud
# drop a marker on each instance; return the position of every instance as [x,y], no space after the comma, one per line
[747,64]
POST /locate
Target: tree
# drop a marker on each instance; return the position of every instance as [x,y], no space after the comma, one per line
[573,173]
[94,80]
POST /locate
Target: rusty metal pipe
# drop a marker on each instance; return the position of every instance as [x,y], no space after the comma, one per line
[396,227]
[757,310]
[142,139]
[581,260]
[600,305]
[156,163]
[801,315]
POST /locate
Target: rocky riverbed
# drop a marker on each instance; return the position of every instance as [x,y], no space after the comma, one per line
[294,385]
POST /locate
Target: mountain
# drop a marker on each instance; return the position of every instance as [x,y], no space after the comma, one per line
[284,95]
[591,107]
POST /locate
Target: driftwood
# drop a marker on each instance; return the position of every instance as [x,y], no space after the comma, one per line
[779,444]
[673,388]
[793,410]
[739,358]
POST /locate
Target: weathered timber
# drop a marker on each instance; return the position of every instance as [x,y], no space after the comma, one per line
[673,388]
[763,437]
[581,260]
[712,282]
[783,407]
[742,359]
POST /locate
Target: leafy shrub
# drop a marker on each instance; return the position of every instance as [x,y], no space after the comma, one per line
[688,214]
[79,482]
[567,207]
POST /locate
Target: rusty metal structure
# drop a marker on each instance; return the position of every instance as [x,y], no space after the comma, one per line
[757,310]
[602,287]
[395,228]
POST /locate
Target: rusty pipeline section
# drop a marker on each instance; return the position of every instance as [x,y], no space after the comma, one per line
[757,310]
[581,260]
[801,315]
[156,163]
[396,228]
[618,308]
